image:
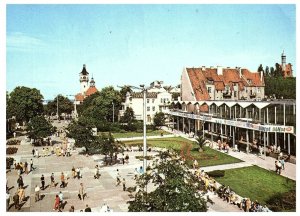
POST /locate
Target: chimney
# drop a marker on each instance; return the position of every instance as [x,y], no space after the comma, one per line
[239,71]
[219,70]
[261,75]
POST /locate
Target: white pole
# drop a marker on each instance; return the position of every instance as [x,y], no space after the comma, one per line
[144,121]
[57,107]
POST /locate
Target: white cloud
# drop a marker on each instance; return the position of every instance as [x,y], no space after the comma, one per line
[18,41]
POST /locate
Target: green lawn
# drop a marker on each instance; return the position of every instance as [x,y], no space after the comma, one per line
[256,183]
[209,157]
[139,134]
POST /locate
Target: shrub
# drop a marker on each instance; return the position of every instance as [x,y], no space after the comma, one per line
[142,157]
[281,202]
[11,150]
[13,142]
[9,162]
[216,173]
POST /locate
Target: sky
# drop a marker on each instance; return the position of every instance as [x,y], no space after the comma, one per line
[47,45]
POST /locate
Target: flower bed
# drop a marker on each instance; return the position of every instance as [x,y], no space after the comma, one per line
[13,142]
[11,150]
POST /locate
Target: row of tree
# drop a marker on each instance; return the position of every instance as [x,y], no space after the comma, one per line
[276,85]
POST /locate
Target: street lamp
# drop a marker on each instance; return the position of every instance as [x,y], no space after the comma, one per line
[113,112]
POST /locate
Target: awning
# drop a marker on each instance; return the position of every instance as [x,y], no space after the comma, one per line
[261,105]
[244,104]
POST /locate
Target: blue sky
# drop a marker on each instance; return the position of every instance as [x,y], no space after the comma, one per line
[134,44]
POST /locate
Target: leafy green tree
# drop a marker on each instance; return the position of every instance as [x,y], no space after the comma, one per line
[64,105]
[39,128]
[159,119]
[124,91]
[267,71]
[176,188]
[272,72]
[88,102]
[101,107]
[281,87]
[24,103]
[109,146]
[128,116]
[81,132]
[260,68]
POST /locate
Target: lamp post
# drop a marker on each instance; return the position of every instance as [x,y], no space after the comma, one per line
[57,107]
[144,126]
[113,111]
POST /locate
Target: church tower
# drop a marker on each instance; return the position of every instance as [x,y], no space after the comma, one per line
[283,61]
[84,80]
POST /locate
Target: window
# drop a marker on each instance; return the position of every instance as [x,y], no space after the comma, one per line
[148,118]
[258,90]
[148,109]
[209,89]
[160,109]
[234,93]
[147,100]
[153,100]
[153,108]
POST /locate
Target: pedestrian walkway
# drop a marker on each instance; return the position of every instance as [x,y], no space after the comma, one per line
[102,190]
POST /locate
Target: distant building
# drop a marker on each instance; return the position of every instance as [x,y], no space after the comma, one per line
[286,69]
[220,83]
[86,88]
[158,99]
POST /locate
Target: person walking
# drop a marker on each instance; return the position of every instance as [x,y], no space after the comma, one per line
[52,180]
[21,193]
[37,153]
[127,158]
[62,179]
[31,165]
[81,192]
[248,205]
[26,168]
[16,201]
[33,152]
[78,172]
[56,203]
[124,184]
[20,181]
[118,176]
[7,200]
[73,172]
[43,182]
[61,201]
[37,193]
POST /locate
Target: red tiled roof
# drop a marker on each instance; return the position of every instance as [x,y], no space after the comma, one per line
[198,83]
[219,85]
[91,90]
[79,97]
[199,77]
[254,77]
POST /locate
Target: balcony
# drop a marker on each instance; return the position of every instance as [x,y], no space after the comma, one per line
[227,94]
[253,95]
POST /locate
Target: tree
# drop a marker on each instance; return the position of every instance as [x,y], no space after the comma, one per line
[159,119]
[272,72]
[128,116]
[267,72]
[176,188]
[109,146]
[24,103]
[200,142]
[124,91]
[260,68]
[101,107]
[64,105]
[39,128]
[81,132]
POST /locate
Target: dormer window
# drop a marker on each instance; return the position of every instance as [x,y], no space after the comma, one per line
[249,81]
